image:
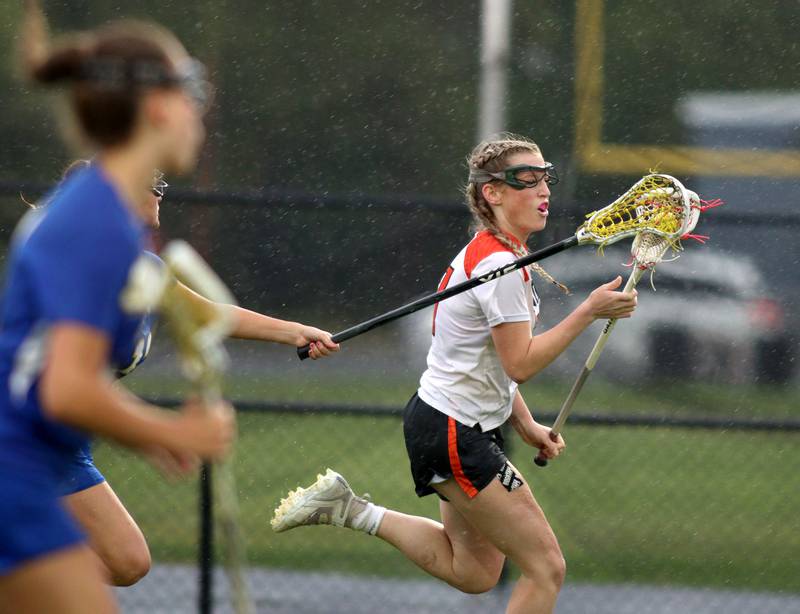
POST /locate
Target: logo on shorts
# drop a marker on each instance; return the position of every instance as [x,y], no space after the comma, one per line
[508,478]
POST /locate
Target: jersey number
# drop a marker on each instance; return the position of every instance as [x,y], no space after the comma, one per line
[442,286]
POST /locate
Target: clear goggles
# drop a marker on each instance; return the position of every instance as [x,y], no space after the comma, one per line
[116,73]
[159,187]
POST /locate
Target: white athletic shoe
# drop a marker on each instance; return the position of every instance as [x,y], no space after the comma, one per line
[329,500]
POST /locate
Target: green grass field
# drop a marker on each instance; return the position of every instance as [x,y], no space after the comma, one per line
[646,505]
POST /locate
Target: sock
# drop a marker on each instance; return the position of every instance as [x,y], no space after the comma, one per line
[364,515]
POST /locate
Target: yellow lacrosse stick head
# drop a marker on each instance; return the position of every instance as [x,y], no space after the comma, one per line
[648,248]
[657,204]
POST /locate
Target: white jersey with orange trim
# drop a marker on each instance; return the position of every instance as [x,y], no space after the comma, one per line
[465,378]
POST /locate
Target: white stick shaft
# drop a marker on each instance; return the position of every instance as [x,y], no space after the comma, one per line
[591,361]
[570,400]
[188,266]
[594,355]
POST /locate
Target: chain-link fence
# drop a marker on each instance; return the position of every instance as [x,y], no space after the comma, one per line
[652,518]
[670,505]
[654,515]
[673,496]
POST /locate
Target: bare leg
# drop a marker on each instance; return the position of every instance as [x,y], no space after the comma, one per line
[119,545]
[454,550]
[67,582]
[466,549]
[516,525]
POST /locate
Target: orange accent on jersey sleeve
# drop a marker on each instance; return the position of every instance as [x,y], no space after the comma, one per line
[442,286]
[455,461]
[484,244]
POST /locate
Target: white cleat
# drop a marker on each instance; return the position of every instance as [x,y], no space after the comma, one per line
[329,500]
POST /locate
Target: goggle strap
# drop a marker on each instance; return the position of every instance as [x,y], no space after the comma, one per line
[479,175]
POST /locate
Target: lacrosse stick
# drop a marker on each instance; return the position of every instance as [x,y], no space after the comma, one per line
[647,251]
[646,206]
[198,329]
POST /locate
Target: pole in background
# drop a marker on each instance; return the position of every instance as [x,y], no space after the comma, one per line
[495,46]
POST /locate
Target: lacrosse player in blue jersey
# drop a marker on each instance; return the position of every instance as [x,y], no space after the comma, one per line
[113,534]
[136,98]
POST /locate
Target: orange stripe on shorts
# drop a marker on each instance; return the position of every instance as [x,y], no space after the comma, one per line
[455,461]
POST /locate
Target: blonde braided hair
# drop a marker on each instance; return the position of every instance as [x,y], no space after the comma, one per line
[493,156]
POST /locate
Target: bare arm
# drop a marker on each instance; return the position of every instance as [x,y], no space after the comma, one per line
[521,417]
[531,432]
[260,327]
[76,390]
[523,355]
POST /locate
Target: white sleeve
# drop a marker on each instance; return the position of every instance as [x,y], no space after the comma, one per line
[503,299]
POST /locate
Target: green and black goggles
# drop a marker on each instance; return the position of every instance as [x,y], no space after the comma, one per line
[519,176]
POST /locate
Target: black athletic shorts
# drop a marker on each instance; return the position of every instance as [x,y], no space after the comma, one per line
[439,445]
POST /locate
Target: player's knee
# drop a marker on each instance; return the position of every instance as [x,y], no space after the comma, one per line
[131,567]
[476,586]
[557,568]
[553,568]
[548,569]
[479,582]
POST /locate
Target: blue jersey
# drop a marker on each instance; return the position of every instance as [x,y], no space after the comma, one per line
[131,356]
[69,263]
[81,472]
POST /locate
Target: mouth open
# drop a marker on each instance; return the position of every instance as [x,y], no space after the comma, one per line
[543,208]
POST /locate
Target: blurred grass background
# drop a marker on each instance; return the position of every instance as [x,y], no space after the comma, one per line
[653,505]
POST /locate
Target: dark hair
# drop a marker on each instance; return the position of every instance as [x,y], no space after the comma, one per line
[105,70]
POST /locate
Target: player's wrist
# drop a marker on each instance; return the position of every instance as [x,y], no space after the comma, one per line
[298,334]
[585,313]
[172,433]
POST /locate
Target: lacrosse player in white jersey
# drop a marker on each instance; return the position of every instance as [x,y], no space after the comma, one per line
[482,348]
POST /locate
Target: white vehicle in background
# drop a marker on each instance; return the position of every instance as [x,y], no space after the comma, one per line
[711,316]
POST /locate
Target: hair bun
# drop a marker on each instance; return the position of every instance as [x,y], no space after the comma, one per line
[63,64]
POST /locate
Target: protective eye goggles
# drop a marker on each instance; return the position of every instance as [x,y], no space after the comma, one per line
[115,73]
[519,177]
[192,77]
[159,186]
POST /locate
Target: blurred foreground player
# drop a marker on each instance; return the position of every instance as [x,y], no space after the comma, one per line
[112,533]
[137,98]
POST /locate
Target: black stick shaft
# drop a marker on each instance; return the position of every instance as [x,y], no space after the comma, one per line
[426,301]
[206,552]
